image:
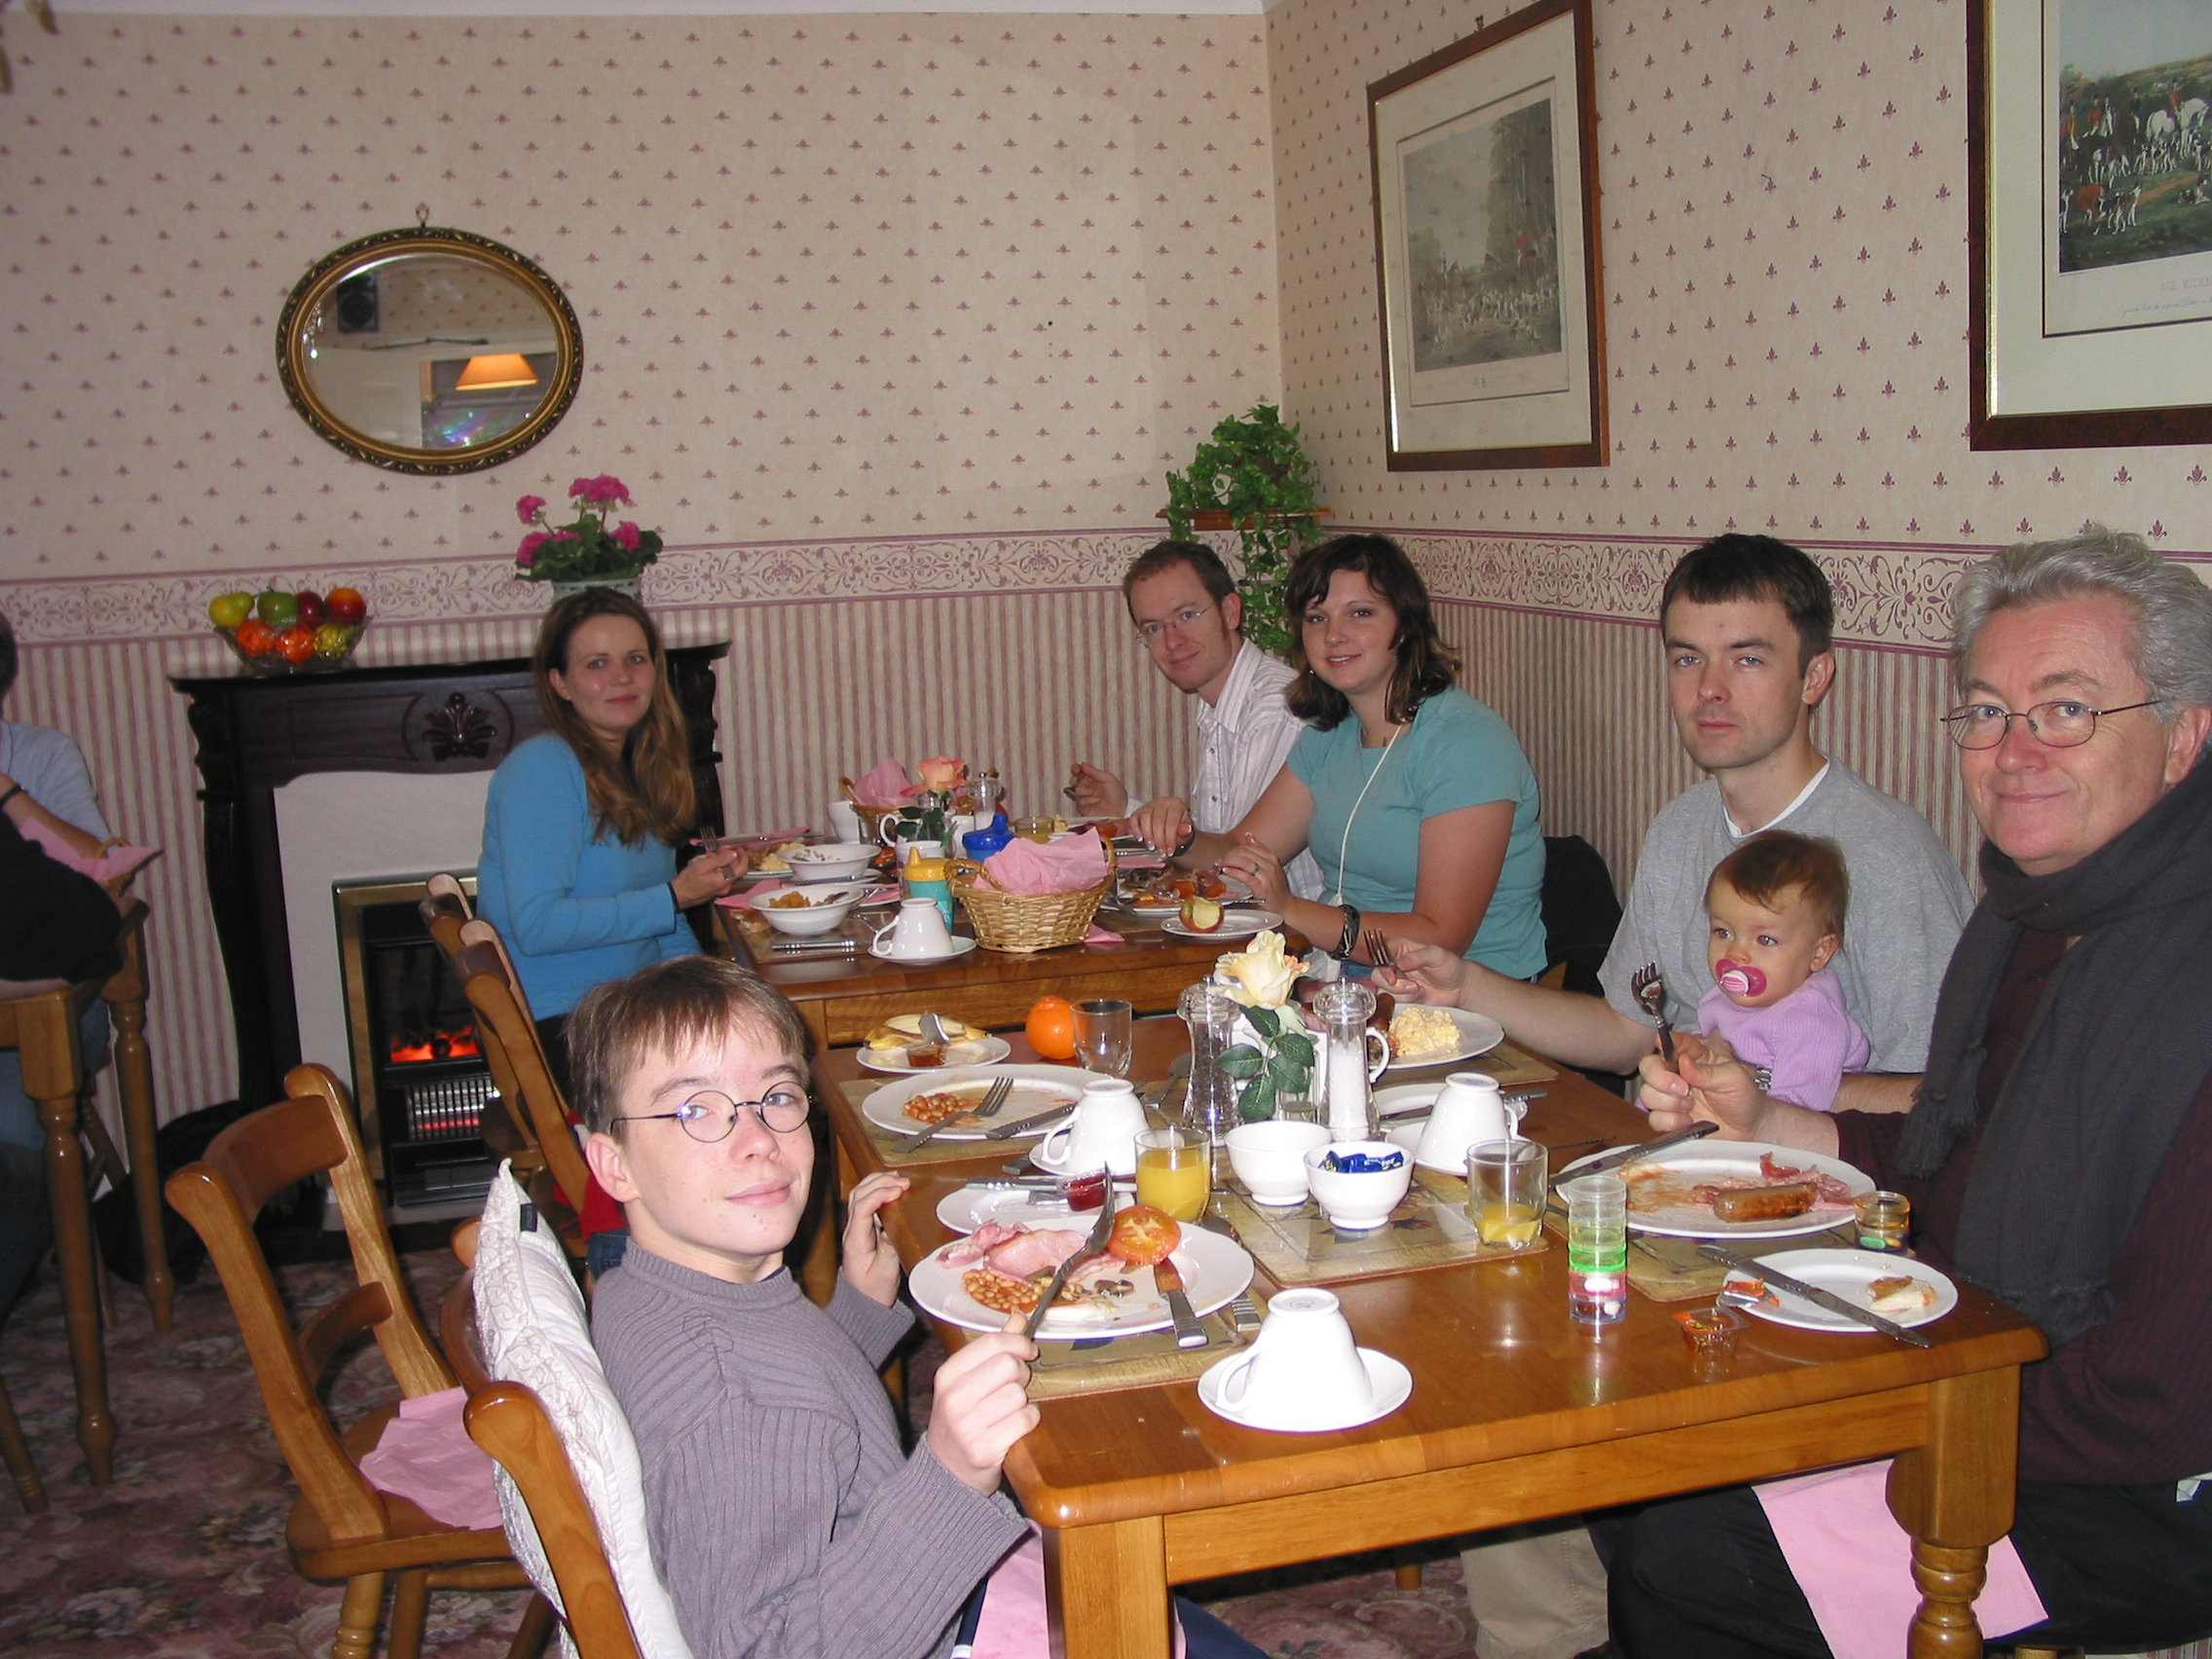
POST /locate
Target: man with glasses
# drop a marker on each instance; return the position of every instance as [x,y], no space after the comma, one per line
[2060,1148]
[1188,619]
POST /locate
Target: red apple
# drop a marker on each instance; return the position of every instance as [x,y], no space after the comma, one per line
[311,612]
[344,604]
[1202,915]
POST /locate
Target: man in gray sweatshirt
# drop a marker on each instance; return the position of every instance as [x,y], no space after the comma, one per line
[783,1516]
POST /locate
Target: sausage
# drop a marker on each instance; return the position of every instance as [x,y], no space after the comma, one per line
[1763,1203]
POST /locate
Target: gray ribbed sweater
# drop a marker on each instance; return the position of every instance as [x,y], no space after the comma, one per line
[783,1519]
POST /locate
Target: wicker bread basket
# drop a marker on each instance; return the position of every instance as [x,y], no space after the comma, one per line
[1018,922]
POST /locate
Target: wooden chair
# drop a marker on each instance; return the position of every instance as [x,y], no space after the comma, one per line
[342,1527]
[502,1123]
[39,1019]
[15,1453]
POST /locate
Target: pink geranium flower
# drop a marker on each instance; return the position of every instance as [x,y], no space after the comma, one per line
[531,543]
[525,509]
[625,536]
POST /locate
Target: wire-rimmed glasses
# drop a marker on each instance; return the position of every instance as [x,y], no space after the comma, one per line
[2063,724]
[1183,621]
[709,1115]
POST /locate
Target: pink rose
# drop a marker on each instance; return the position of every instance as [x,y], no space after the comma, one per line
[940,772]
[529,549]
[525,509]
[625,536]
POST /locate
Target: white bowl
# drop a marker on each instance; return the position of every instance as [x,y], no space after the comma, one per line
[1270,1157]
[836,860]
[1362,1201]
[826,908]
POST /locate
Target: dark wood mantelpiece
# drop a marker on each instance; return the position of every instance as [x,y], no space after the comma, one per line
[255,733]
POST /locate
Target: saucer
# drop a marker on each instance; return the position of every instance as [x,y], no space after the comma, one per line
[960,947]
[1389,1383]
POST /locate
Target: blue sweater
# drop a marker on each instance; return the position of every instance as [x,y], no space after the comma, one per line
[575,911]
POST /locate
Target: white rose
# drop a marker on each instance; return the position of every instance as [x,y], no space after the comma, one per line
[1263,975]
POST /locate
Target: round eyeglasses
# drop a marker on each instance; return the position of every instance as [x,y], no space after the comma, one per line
[1183,621]
[709,1117]
[2061,724]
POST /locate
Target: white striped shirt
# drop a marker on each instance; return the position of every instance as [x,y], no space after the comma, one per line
[1244,737]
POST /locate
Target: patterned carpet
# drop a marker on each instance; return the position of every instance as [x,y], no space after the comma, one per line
[183,1556]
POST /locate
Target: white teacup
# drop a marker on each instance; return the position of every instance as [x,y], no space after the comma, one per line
[1102,1132]
[1270,1157]
[1303,1371]
[847,822]
[915,930]
[1469,1108]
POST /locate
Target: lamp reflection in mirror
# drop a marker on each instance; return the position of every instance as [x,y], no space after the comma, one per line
[490,373]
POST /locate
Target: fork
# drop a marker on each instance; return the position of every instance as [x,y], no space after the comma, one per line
[1651,991]
[993,1098]
[1378,949]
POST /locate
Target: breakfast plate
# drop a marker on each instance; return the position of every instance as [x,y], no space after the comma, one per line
[1036,1088]
[1236,923]
[1479,1034]
[1389,1386]
[1660,1200]
[1215,1271]
[1846,1273]
[979,1052]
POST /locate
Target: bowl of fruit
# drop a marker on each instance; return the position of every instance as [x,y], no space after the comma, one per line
[275,631]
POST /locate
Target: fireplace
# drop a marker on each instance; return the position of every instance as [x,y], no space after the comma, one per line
[418,1077]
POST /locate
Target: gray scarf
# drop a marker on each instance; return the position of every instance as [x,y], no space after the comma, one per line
[2120,1043]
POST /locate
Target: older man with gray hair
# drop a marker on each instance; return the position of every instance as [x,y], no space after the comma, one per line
[2060,1153]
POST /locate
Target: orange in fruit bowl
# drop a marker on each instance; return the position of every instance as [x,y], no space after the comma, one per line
[1051,1028]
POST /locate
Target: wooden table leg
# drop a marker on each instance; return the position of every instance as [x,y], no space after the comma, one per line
[1106,1590]
[1955,1496]
[52,1076]
[126,996]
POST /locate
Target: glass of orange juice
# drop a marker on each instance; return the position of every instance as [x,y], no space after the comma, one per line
[1175,1172]
[1505,1189]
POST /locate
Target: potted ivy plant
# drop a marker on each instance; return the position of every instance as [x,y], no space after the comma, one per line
[1252,477]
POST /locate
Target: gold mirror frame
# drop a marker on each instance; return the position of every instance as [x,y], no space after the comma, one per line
[315,288]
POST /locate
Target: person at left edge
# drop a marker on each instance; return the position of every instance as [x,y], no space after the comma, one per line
[580,831]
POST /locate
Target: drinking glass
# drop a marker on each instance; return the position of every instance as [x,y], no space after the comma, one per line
[1884,1222]
[1505,1189]
[1103,1035]
[1175,1172]
[1597,1249]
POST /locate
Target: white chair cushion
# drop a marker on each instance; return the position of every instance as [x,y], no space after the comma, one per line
[531,1318]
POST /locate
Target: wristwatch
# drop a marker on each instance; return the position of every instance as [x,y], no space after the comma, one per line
[1183,846]
[1348,942]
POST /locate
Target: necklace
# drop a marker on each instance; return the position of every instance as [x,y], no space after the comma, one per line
[1343,846]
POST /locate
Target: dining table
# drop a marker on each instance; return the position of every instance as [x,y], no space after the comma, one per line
[1516,1414]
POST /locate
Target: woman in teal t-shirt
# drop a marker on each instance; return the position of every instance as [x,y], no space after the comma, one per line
[1414,798]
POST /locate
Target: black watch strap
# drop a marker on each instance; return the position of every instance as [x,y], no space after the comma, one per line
[1190,839]
[1348,942]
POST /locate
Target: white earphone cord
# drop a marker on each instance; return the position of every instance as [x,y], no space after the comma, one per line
[1343,846]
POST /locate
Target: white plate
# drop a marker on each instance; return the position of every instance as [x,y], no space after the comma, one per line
[1036,1088]
[960,947]
[1702,1161]
[976,1051]
[1214,1270]
[1235,924]
[1846,1273]
[1479,1034]
[966,1209]
[1389,1383]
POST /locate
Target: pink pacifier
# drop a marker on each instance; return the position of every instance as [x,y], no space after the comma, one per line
[1741,979]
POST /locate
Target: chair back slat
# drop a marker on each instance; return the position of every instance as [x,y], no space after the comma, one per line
[508,1420]
[478,931]
[504,1022]
[361,1309]
[289,1141]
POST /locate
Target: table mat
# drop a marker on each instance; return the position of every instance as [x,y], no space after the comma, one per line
[1430,1229]
[1104,1366]
[1670,1270]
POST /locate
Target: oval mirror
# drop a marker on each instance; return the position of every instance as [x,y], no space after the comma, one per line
[430,350]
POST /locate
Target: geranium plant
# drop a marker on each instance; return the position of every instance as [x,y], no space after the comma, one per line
[585,551]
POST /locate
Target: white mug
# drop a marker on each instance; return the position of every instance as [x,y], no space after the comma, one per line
[916,929]
[1303,1371]
[847,822]
[1469,1108]
[1270,1157]
[1103,1131]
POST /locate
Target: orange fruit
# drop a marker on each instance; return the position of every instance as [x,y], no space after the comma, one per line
[1051,1028]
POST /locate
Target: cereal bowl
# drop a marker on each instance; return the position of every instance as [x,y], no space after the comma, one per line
[822,909]
[835,861]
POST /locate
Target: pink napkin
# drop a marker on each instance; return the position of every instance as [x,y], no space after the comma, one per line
[1056,867]
[115,861]
[1014,1625]
[426,1456]
[1101,936]
[884,786]
[1854,1562]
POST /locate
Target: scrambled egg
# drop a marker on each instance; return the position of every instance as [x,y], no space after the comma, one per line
[776,861]
[1415,1030]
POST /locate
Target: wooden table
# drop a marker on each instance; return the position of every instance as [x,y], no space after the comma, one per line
[842,999]
[1517,1414]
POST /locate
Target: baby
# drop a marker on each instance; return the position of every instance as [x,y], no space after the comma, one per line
[1776,904]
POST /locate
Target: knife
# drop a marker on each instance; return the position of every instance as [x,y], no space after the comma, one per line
[1099,1229]
[1024,1126]
[1630,1154]
[1169,1279]
[1814,1294]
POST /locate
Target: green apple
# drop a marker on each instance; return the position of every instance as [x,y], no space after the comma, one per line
[229,609]
[277,607]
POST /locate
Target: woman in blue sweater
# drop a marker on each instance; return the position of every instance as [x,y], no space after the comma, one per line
[578,868]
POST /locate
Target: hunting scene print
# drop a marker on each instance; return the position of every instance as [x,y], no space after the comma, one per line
[2134,140]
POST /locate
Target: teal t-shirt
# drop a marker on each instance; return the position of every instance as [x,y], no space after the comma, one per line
[1459,753]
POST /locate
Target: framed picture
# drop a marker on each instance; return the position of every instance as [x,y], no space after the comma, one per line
[1486,238]
[2089,222]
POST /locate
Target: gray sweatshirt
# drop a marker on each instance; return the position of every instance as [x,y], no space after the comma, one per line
[783,1518]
